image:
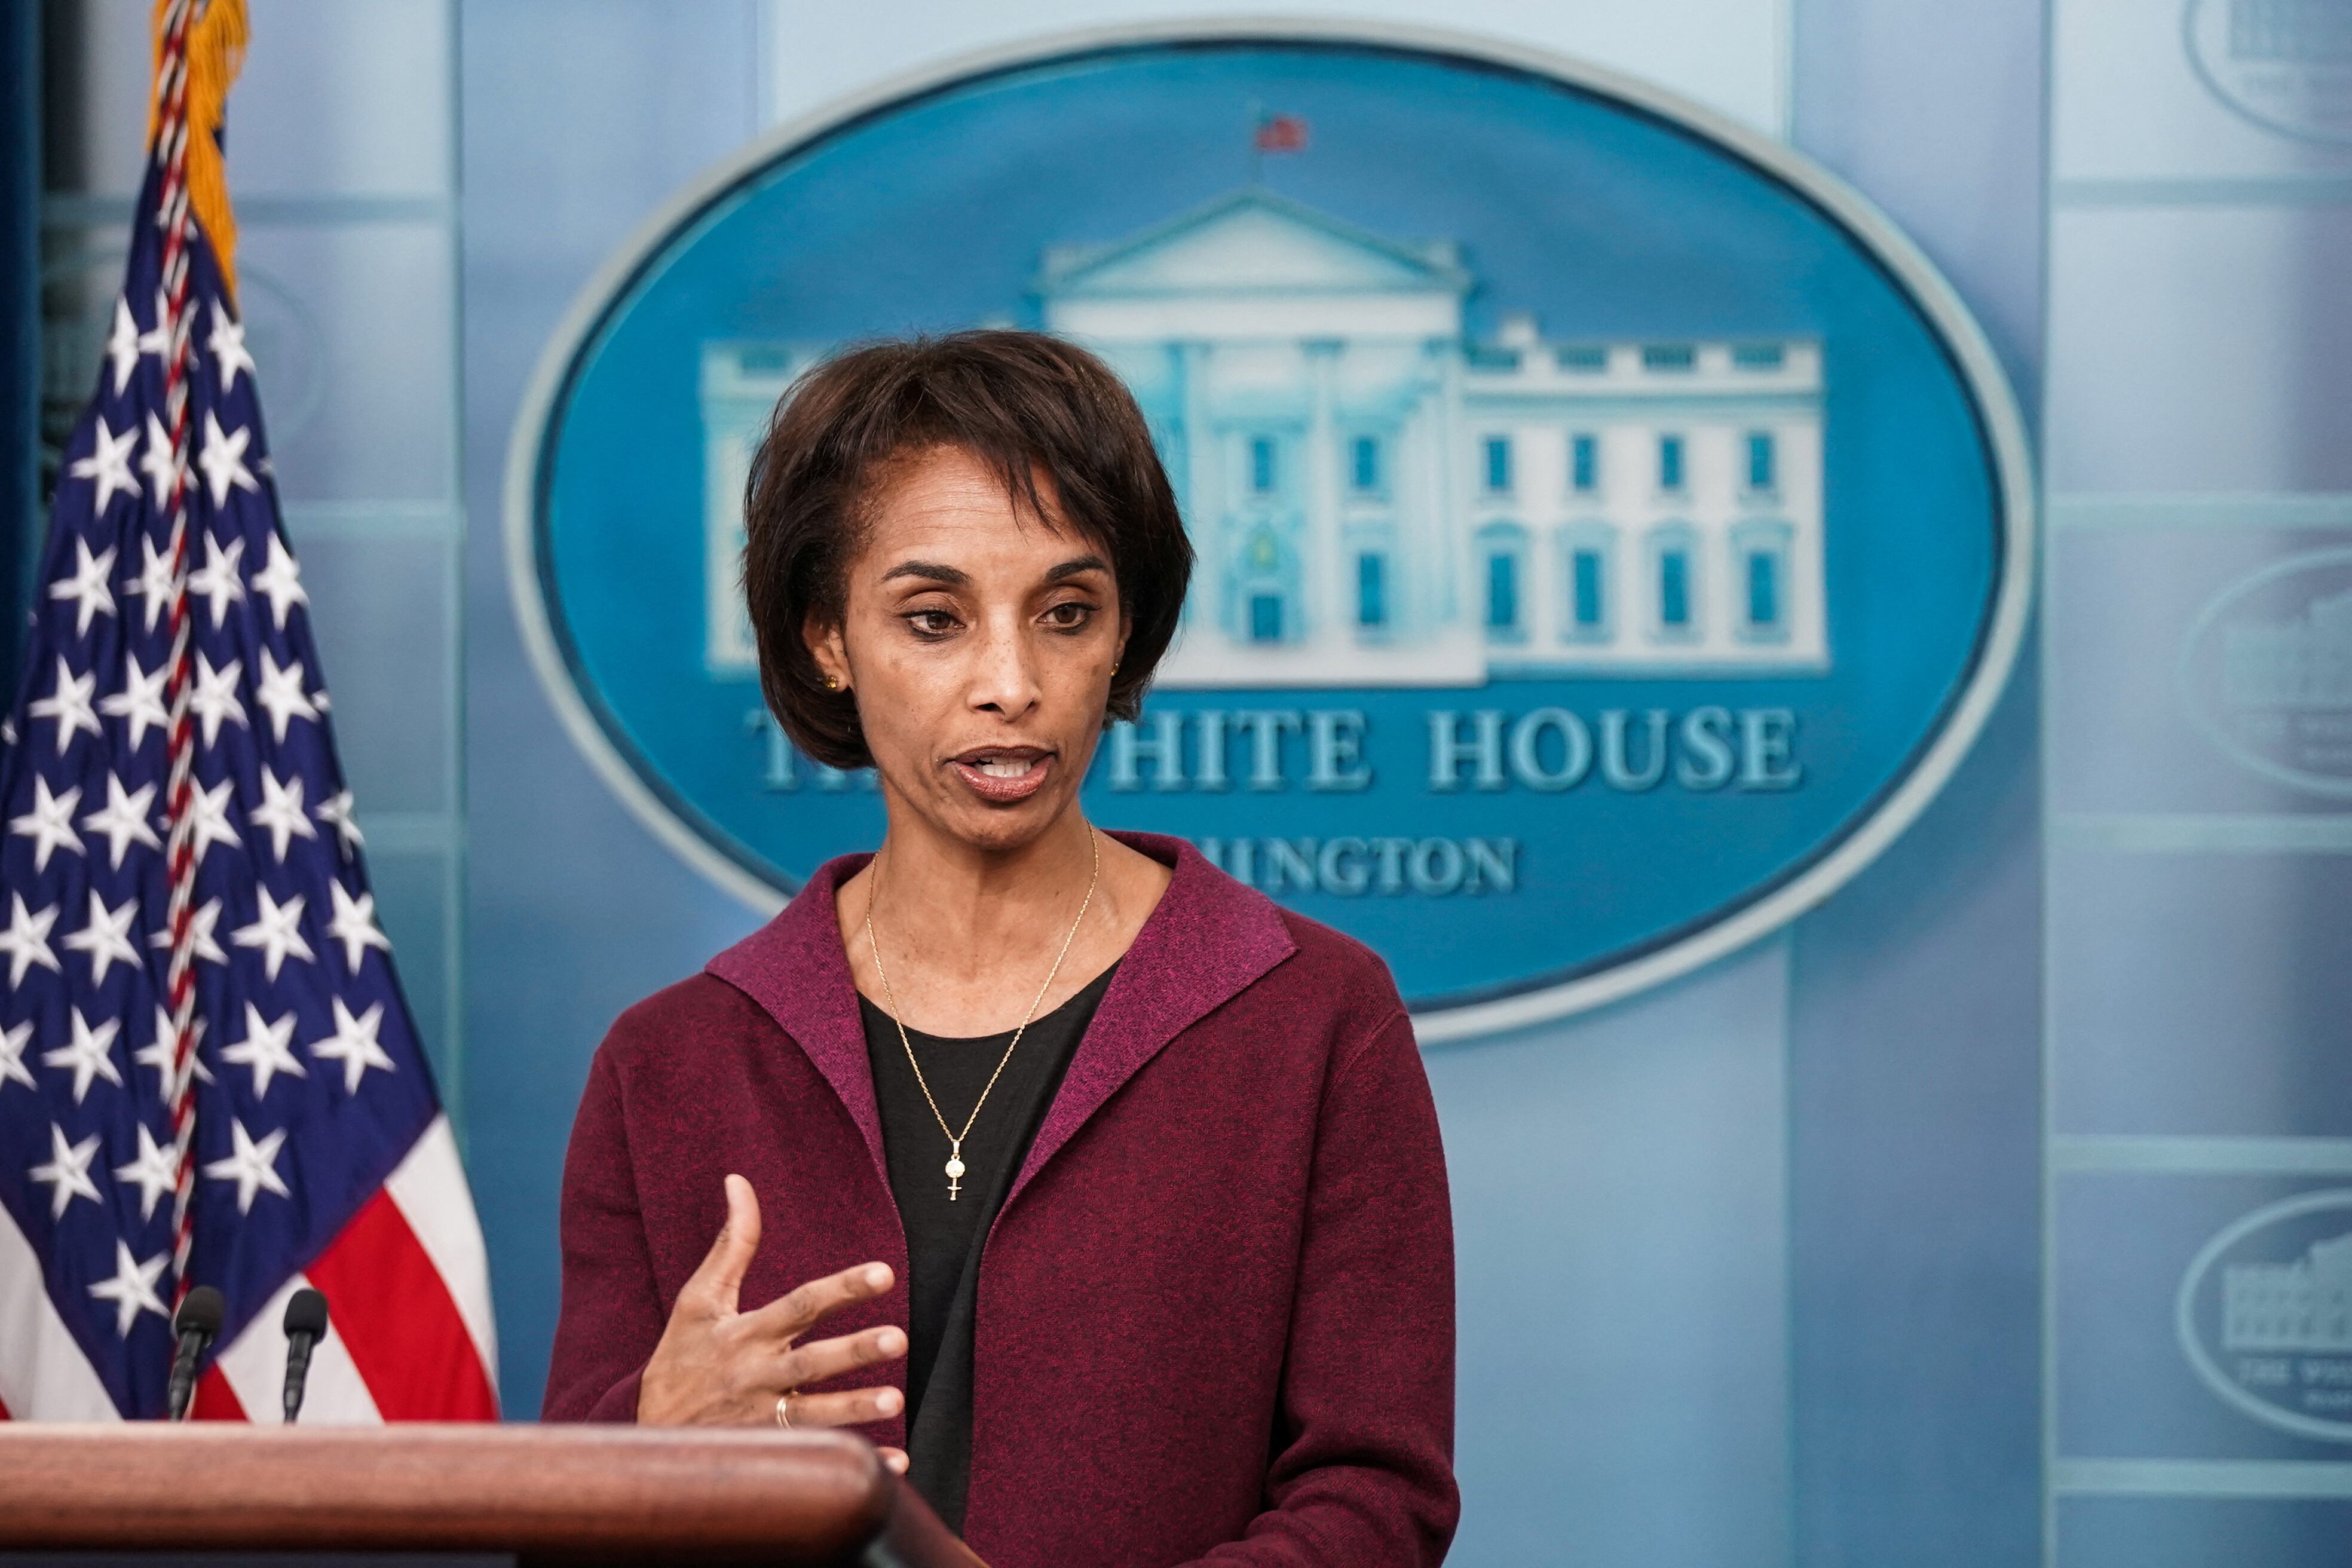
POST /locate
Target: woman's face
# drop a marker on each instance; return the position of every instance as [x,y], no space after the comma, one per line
[979,644]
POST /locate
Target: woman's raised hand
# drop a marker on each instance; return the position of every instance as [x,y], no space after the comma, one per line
[718,1366]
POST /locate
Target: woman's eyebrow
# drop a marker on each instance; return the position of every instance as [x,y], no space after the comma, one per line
[952,576]
[1072,568]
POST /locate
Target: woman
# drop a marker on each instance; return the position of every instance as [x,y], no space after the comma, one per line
[1084,1179]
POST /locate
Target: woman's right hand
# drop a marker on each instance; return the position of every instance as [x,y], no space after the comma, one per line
[716,1367]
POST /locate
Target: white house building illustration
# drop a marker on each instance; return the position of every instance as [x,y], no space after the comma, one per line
[2299,663]
[2303,1306]
[2293,32]
[1375,500]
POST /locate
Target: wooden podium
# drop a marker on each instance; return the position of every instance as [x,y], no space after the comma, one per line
[553,1495]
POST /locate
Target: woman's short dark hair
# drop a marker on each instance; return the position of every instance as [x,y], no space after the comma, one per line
[1022,403]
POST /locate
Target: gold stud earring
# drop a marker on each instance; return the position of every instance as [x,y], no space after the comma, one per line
[832,683]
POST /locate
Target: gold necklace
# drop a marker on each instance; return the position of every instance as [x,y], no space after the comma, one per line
[955,1140]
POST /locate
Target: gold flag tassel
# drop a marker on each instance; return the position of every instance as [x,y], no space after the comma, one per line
[216,40]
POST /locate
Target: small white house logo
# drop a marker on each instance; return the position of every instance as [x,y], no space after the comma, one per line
[2264,1315]
[2267,672]
[2286,65]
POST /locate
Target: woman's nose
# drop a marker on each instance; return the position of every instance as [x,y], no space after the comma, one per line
[1006,678]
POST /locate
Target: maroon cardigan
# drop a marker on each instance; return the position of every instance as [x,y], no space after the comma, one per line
[1216,1311]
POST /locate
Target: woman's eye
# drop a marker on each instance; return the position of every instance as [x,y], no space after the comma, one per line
[931,623]
[1070,614]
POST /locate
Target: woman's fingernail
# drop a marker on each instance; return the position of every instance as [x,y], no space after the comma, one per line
[888,1401]
[898,1464]
[890,1342]
[877,1276]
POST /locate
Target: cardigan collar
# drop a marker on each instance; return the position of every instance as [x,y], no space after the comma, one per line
[1209,937]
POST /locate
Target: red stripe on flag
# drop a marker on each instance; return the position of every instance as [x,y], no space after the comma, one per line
[3,1411]
[215,1400]
[393,1314]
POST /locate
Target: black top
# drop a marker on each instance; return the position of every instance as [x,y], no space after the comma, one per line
[944,1235]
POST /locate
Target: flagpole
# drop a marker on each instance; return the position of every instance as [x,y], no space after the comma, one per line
[171,148]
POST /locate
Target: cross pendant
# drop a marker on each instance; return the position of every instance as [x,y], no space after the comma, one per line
[955,1169]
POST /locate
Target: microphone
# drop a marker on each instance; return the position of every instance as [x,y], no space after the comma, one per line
[306,1325]
[198,1324]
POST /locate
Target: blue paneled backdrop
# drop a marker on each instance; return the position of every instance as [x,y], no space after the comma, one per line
[1876,1243]
[2199,682]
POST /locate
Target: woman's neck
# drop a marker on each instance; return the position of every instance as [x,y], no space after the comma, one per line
[947,895]
[968,936]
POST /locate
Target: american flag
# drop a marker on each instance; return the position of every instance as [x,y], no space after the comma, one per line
[1280,133]
[173,806]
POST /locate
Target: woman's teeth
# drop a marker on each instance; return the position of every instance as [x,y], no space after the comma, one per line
[1002,768]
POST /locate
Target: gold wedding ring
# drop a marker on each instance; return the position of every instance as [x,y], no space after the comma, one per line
[783,1414]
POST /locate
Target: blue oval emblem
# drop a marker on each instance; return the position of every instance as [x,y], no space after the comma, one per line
[2264,1314]
[1612,531]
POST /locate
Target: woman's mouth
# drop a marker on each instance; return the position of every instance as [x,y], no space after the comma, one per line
[1004,774]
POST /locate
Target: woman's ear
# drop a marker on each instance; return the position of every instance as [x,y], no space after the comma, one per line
[832,656]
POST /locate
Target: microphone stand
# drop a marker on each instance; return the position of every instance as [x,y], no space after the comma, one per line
[306,1325]
[198,1324]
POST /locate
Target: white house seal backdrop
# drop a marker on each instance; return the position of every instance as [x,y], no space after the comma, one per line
[1611,530]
